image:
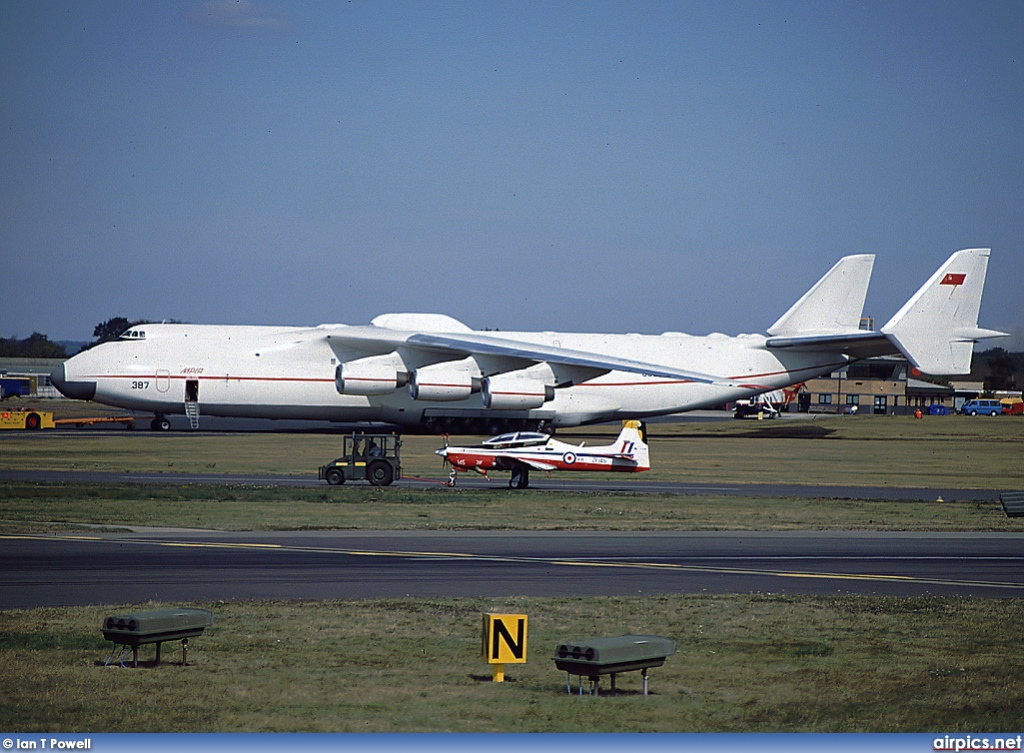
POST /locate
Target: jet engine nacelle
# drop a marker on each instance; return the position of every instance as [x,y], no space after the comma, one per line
[441,383]
[376,375]
[507,392]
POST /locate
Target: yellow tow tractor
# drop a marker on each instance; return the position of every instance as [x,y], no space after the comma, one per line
[26,419]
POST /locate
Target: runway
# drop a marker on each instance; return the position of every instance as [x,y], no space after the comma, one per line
[184,566]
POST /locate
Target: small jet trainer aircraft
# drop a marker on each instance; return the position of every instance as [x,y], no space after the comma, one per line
[522,450]
[431,372]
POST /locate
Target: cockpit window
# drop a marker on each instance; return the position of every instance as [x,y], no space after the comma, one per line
[516,439]
[500,439]
[133,334]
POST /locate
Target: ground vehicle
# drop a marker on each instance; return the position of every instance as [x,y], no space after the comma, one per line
[1012,406]
[26,419]
[983,407]
[41,419]
[374,457]
[16,386]
[755,408]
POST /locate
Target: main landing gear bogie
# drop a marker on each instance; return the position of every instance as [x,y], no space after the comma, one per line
[520,479]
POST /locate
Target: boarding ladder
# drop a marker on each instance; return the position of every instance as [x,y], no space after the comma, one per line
[192,411]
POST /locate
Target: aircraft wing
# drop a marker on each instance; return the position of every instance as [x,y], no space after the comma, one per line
[537,465]
[452,346]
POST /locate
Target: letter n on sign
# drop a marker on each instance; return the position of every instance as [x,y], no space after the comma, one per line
[503,640]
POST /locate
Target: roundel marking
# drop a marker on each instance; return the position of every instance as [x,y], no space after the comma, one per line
[569,458]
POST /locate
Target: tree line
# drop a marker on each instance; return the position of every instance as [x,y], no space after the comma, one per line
[38,345]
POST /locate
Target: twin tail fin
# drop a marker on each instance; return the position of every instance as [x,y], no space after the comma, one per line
[935,330]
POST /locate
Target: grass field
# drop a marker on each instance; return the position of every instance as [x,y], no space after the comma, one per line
[31,507]
[749,662]
[742,663]
[948,451]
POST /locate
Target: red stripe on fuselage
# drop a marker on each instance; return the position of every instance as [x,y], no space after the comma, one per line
[208,378]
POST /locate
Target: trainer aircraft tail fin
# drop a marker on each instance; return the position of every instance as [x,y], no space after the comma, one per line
[631,444]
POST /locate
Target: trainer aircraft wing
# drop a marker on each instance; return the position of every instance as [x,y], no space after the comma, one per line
[537,465]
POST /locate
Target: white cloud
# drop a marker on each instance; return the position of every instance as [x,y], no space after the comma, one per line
[238,14]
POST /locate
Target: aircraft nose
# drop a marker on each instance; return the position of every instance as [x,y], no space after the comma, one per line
[72,389]
[443,452]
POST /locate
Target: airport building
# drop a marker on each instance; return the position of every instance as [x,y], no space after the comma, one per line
[28,377]
[877,386]
[882,387]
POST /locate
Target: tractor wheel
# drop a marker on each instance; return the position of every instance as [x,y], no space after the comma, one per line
[380,473]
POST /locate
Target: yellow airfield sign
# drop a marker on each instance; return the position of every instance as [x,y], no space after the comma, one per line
[503,641]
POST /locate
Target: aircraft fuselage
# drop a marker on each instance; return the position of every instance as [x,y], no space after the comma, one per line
[289,373]
[433,372]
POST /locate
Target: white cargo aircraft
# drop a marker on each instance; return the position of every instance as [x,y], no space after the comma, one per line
[431,372]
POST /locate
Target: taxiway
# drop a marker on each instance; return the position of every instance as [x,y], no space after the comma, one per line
[188,566]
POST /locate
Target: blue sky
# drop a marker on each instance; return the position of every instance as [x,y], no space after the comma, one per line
[591,166]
